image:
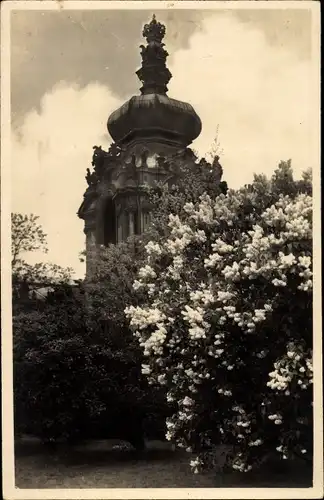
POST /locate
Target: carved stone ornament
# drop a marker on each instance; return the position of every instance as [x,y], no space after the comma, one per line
[91,178]
[154,31]
[114,150]
[154,74]
[218,168]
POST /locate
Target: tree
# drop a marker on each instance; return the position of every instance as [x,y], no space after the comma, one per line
[84,375]
[109,291]
[28,236]
[225,321]
[35,325]
[50,353]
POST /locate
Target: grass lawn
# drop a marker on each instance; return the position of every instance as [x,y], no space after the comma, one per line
[98,465]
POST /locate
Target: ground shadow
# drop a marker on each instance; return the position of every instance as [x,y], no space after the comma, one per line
[100,464]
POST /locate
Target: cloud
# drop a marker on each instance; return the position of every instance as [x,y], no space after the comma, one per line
[50,154]
[258,94]
[86,45]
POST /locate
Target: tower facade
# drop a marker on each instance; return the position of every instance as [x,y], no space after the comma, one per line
[151,133]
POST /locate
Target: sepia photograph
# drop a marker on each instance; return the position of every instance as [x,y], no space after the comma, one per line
[161,249]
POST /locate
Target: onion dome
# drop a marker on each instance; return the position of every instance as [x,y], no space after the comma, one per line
[153,116]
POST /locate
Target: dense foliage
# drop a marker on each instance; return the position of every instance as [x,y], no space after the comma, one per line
[225,321]
[84,378]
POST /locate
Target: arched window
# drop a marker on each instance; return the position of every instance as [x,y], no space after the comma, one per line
[109,222]
[120,222]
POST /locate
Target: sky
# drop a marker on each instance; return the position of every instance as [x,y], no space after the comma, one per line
[246,72]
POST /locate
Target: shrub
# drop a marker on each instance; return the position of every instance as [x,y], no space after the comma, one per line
[83,378]
[225,321]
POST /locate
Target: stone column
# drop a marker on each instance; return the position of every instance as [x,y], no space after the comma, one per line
[131,223]
[120,227]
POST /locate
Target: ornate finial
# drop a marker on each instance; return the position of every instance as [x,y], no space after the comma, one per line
[154,31]
[154,74]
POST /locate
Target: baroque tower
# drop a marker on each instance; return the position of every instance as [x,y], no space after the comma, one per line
[151,133]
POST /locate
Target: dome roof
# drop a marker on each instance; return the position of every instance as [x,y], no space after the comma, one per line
[153,115]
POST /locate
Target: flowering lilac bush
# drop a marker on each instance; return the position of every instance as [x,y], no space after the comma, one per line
[225,322]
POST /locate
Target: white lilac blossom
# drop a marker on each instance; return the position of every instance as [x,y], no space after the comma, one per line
[143,317]
[204,296]
[196,465]
[232,272]
[188,401]
[137,284]
[195,316]
[286,369]
[212,260]
[257,442]
[146,370]
[153,248]
[154,343]
[147,272]
[221,247]
[224,296]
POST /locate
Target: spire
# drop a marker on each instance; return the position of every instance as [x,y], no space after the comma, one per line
[154,74]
